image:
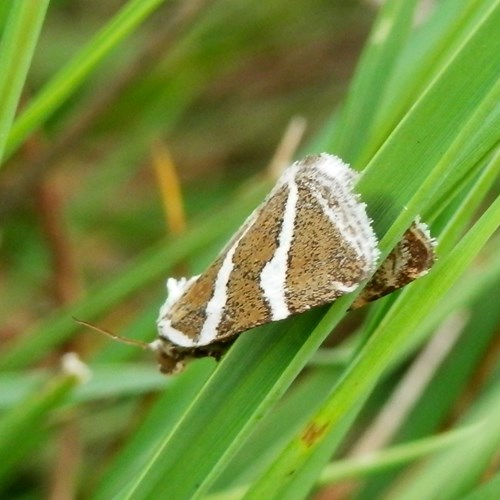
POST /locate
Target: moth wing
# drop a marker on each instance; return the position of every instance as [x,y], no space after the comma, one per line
[227,299]
[308,243]
[412,257]
[324,263]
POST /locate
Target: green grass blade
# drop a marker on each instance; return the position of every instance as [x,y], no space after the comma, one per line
[439,399]
[477,141]
[74,74]
[470,72]
[374,358]
[278,427]
[228,407]
[28,415]
[228,420]
[386,41]
[359,467]
[420,62]
[487,491]
[458,221]
[393,457]
[108,381]
[438,478]
[161,419]
[18,43]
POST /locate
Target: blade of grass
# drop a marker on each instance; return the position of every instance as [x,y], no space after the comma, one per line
[374,463]
[22,428]
[438,478]
[470,71]
[386,41]
[175,400]
[393,457]
[108,381]
[469,204]
[18,43]
[209,420]
[487,491]
[74,74]
[476,141]
[420,62]
[278,427]
[440,398]
[280,480]
[229,402]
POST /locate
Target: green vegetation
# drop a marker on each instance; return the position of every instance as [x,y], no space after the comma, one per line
[403,397]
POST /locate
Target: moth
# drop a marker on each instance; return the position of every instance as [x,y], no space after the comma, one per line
[309,242]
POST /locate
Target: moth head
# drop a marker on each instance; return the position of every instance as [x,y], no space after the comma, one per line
[170,358]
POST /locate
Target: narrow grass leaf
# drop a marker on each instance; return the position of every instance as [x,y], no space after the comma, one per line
[74,74]
[278,427]
[487,491]
[227,408]
[177,397]
[470,73]
[438,478]
[373,359]
[108,381]
[22,428]
[431,48]
[373,463]
[18,43]
[387,39]
[440,397]
[470,203]
[376,462]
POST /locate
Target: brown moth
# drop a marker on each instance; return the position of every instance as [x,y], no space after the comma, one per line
[308,243]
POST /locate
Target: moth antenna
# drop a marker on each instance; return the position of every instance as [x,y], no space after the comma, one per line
[114,336]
